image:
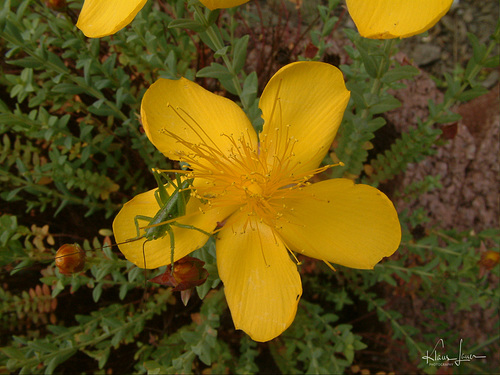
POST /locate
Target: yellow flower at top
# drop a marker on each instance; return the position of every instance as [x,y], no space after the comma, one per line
[387,19]
[260,192]
[100,18]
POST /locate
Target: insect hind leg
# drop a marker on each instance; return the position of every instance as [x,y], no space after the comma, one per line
[185,226]
[172,248]
[137,227]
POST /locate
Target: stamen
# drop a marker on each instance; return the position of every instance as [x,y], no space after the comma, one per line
[245,175]
[262,250]
[293,255]
[329,265]
[276,99]
[192,128]
[179,171]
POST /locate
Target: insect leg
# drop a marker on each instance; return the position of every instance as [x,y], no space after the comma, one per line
[161,191]
[191,227]
[144,254]
[172,247]
[182,201]
[136,222]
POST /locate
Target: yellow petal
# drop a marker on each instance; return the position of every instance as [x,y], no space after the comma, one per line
[337,221]
[387,19]
[157,252]
[262,284]
[180,110]
[99,18]
[302,106]
[222,4]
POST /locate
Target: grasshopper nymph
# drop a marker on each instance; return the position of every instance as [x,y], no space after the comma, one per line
[172,206]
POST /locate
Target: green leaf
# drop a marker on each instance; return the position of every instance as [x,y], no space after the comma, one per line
[328,26]
[103,357]
[12,193]
[399,73]
[472,93]
[453,85]
[117,338]
[221,52]
[54,59]
[370,62]
[123,291]
[42,346]
[250,87]
[27,62]
[387,104]
[97,292]
[12,352]
[12,30]
[59,358]
[240,53]
[215,70]
[186,23]
[212,16]
[101,109]
[448,117]
[68,88]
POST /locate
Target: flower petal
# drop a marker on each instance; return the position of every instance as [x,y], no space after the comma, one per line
[387,19]
[302,106]
[176,112]
[99,18]
[222,4]
[337,221]
[262,284]
[157,252]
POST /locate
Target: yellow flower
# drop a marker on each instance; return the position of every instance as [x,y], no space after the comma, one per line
[387,19]
[100,18]
[260,191]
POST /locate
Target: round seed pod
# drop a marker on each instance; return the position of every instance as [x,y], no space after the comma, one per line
[70,258]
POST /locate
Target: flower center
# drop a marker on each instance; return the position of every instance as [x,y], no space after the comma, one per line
[237,172]
[253,190]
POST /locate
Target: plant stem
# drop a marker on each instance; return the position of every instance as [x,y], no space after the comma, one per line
[50,65]
[50,192]
[160,302]
[219,45]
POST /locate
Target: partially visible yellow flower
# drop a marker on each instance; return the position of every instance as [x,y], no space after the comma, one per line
[261,192]
[100,18]
[222,4]
[387,19]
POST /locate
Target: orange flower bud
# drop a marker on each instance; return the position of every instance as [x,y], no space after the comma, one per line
[56,4]
[70,259]
[490,259]
[188,273]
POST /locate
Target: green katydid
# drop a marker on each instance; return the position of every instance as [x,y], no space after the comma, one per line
[71,258]
[171,206]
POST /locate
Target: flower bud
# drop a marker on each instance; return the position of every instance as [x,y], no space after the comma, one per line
[188,273]
[56,4]
[490,259]
[70,259]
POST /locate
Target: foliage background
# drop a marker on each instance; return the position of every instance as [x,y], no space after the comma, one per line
[72,151]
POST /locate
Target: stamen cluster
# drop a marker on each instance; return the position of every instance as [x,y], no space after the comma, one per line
[244,176]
